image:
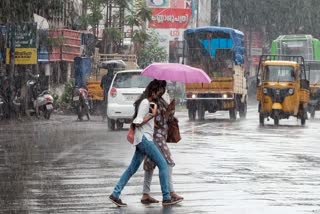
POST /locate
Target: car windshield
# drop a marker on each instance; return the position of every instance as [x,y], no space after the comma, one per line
[131,80]
[278,73]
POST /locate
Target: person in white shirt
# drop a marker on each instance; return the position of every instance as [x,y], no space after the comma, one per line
[143,121]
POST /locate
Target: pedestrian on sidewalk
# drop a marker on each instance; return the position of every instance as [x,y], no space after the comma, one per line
[165,113]
[143,121]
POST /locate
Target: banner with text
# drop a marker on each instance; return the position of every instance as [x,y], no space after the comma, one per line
[170,18]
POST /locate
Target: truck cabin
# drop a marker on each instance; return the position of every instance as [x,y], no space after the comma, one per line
[214,49]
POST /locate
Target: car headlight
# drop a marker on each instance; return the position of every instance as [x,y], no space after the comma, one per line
[265,91]
[291,91]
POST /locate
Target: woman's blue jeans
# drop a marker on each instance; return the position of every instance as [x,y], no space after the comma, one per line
[150,149]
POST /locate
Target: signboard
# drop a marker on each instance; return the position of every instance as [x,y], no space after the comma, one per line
[23,56]
[25,36]
[170,18]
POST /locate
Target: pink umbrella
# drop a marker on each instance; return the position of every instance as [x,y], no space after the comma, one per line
[176,72]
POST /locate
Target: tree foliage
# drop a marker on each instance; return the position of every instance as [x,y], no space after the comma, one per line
[151,52]
[22,10]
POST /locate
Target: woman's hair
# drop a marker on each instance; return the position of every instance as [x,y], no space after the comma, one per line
[153,87]
[163,83]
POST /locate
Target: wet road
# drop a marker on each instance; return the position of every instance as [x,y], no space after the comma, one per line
[65,166]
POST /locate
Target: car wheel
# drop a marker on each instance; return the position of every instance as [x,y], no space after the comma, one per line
[119,125]
[111,124]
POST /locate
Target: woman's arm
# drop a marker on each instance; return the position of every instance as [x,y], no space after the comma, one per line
[143,115]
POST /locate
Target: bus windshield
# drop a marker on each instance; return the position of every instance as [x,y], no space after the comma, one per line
[278,73]
[314,76]
[295,48]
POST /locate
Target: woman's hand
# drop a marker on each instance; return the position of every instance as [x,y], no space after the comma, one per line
[172,105]
[153,108]
[171,108]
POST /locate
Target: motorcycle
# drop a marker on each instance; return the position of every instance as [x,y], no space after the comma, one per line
[81,103]
[42,101]
[44,104]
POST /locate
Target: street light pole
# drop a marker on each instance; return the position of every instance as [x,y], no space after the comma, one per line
[197,19]
[219,13]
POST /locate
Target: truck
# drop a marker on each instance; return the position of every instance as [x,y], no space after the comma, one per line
[98,71]
[220,52]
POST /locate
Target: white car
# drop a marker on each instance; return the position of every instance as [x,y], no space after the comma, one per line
[125,89]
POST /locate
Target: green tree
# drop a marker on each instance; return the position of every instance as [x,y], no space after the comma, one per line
[93,14]
[151,52]
[138,21]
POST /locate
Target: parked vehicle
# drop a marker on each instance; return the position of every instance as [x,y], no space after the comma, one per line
[42,101]
[282,88]
[219,51]
[81,103]
[313,74]
[44,104]
[126,87]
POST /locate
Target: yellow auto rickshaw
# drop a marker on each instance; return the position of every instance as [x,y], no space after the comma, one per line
[313,75]
[282,88]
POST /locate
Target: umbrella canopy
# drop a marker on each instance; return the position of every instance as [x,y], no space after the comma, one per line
[176,72]
[115,63]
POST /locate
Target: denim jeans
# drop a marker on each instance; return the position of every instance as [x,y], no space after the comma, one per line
[151,150]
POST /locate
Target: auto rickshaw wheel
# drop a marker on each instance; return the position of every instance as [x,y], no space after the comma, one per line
[276,117]
[261,119]
[304,116]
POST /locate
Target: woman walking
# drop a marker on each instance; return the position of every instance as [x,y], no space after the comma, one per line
[143,121]
[165,113]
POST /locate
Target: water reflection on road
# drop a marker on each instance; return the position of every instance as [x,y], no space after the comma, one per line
[64,166]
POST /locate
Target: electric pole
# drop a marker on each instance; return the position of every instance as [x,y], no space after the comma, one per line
[219,13]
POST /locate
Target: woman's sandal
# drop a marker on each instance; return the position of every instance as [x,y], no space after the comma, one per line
[176,196]
[149,200]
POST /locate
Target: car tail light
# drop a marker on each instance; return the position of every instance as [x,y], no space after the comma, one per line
[113,92]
